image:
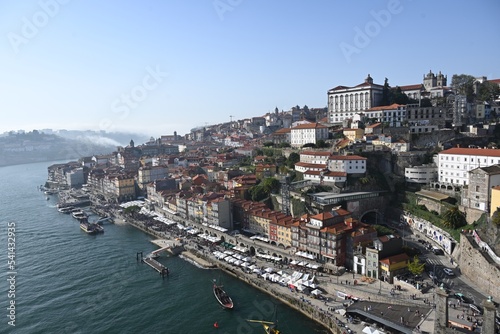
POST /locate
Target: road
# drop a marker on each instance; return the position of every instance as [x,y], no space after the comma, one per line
[437,263]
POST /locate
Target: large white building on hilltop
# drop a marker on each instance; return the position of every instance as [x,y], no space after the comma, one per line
[454,164]
[345,102]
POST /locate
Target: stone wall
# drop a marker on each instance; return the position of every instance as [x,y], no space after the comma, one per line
[431,205]
[471,259]
[471,215]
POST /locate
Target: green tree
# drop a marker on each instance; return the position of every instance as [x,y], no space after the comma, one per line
[268,144]
[257,193]
[496,217]
[454,218]
[488,91]
[416,267]
[425,102]
[293,158]
[321,144]
[399,97]
[270,185]
[386,94]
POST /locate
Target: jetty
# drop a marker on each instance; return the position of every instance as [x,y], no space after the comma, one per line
[154,264]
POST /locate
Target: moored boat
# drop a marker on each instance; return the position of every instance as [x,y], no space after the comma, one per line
[66,209]
[268,326]
[222,297]
[87,228]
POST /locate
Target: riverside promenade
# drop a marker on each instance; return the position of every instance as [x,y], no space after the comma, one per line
[330,310]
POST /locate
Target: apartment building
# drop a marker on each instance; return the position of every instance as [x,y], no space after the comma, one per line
[424,174]
[350,164]
[481,181]
[394,114]
[309,133]
[455,164]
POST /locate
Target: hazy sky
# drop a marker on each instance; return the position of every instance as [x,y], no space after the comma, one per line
[156,67]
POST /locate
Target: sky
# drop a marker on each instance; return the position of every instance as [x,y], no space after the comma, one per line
[159,66]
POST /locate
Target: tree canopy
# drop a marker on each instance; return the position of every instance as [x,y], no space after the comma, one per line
[416,267]
[454,218]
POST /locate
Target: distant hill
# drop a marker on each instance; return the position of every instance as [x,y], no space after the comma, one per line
[35,146]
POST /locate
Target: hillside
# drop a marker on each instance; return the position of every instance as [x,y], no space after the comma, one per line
[21,148]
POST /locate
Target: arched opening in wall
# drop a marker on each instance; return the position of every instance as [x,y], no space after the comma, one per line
[252,250]
[222,238]
[273,243]
[372,218]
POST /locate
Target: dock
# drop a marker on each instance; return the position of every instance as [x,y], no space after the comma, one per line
[154,264]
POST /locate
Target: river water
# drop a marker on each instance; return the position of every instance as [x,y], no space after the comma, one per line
[65,281]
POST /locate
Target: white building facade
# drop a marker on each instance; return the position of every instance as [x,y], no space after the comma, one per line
[454,164]
[350,164]
[307,134]
[345,102]
[424,174]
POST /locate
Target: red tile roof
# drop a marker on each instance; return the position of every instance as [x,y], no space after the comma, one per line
[376,125]
[310,165]
[411,87]
[309,126]
[329,173]
[395,259]
[393,106]
[486,152]
[346,157]
[282,131]
[317,153]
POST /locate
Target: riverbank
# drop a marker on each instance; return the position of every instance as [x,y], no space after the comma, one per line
[203,258]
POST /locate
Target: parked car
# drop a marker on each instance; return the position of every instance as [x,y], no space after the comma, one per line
[437,251]
[448,272]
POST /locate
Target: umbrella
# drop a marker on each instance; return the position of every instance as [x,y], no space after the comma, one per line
[371,330]
[316,292]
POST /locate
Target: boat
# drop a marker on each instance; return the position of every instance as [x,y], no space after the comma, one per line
[87,228]
[79,215]
[66,210]
[97,228]
[269,326]
[222,297]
